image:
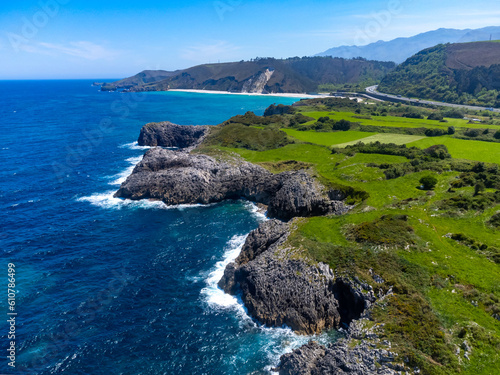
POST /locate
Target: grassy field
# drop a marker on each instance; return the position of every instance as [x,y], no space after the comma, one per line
[445,291]
[452,275]
[464,149]
[488,152]
[328,139]
[394,121]
[399,139]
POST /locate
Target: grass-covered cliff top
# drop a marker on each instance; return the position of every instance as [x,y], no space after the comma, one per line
[437,248]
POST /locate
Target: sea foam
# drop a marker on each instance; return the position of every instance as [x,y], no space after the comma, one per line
[278,340]
[214,295]
[108,201]
[120,178]
[134,146]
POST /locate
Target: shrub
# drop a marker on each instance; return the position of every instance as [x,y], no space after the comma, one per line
[413,115]
[434,132]
[451,130]
[435,116]
[495,220]
[428,182]
[279,109]
[388,229]
[453,113]
[342,125]
[471,132]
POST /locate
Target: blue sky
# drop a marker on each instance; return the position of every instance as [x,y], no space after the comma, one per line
[88,39]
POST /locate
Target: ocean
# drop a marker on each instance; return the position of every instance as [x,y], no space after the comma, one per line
[108,286]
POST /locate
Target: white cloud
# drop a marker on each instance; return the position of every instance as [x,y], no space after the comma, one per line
[82,49]
[204,52]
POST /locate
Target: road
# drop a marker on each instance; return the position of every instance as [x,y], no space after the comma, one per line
[372,90]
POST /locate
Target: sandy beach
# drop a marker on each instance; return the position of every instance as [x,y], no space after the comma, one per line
[287,95]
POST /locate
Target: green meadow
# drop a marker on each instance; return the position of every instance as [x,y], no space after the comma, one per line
[395,121]
[445,291]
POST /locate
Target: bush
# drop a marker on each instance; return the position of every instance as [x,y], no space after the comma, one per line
[343,125]
[495,220]
[301,119]
[471,133]
[413,115]
[434,132]
[279,109]
[453,113]
[388,229]
[428,182]
[451,130]
[435,116]
[497,134]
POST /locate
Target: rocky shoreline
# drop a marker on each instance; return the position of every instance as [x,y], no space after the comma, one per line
[179,177]
[277,283]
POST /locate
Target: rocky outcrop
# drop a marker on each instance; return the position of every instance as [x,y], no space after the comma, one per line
[166,134]
[278,287]
[181,178]
[369,356]
[257,83]
[339,358]
[278,290]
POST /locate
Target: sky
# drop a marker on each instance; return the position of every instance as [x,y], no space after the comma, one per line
[65,39]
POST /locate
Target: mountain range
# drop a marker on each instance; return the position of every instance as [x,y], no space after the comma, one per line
[399,49]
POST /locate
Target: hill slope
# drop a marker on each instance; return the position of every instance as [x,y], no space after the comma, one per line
[144,77]
[293,75]
[398,50]
[466,73]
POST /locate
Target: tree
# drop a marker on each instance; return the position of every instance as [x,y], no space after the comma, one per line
[451,130]
[428,182]
[478,188]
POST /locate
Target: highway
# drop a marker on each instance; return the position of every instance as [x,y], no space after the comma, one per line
[374,94]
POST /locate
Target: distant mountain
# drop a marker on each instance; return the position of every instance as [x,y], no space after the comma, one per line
[398,50]
[265,75]
[463,73]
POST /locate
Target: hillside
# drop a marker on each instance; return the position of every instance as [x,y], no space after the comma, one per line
[399,49]
[144,77]
[422,233]
[268,75]
[466,73]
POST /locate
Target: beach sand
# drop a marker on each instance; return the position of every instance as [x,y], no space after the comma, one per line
[287,95]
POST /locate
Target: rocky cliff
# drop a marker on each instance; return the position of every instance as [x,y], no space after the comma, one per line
[360,352]
[166,134]
[277,284]
[178,177]
[279,287]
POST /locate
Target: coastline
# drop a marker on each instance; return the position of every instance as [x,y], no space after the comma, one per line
[286,95]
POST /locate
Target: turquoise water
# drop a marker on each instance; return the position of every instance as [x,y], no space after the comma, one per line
[106,286]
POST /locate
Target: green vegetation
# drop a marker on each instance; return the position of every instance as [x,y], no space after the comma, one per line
[428,182]
[436,250]
[386,230]
[455,73]
[241,136]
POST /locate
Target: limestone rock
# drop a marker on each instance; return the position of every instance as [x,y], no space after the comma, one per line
[166,134]
[177,177]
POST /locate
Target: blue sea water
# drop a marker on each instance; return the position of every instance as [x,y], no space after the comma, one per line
[107,286]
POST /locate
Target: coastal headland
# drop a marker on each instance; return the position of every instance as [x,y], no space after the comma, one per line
[349,244]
